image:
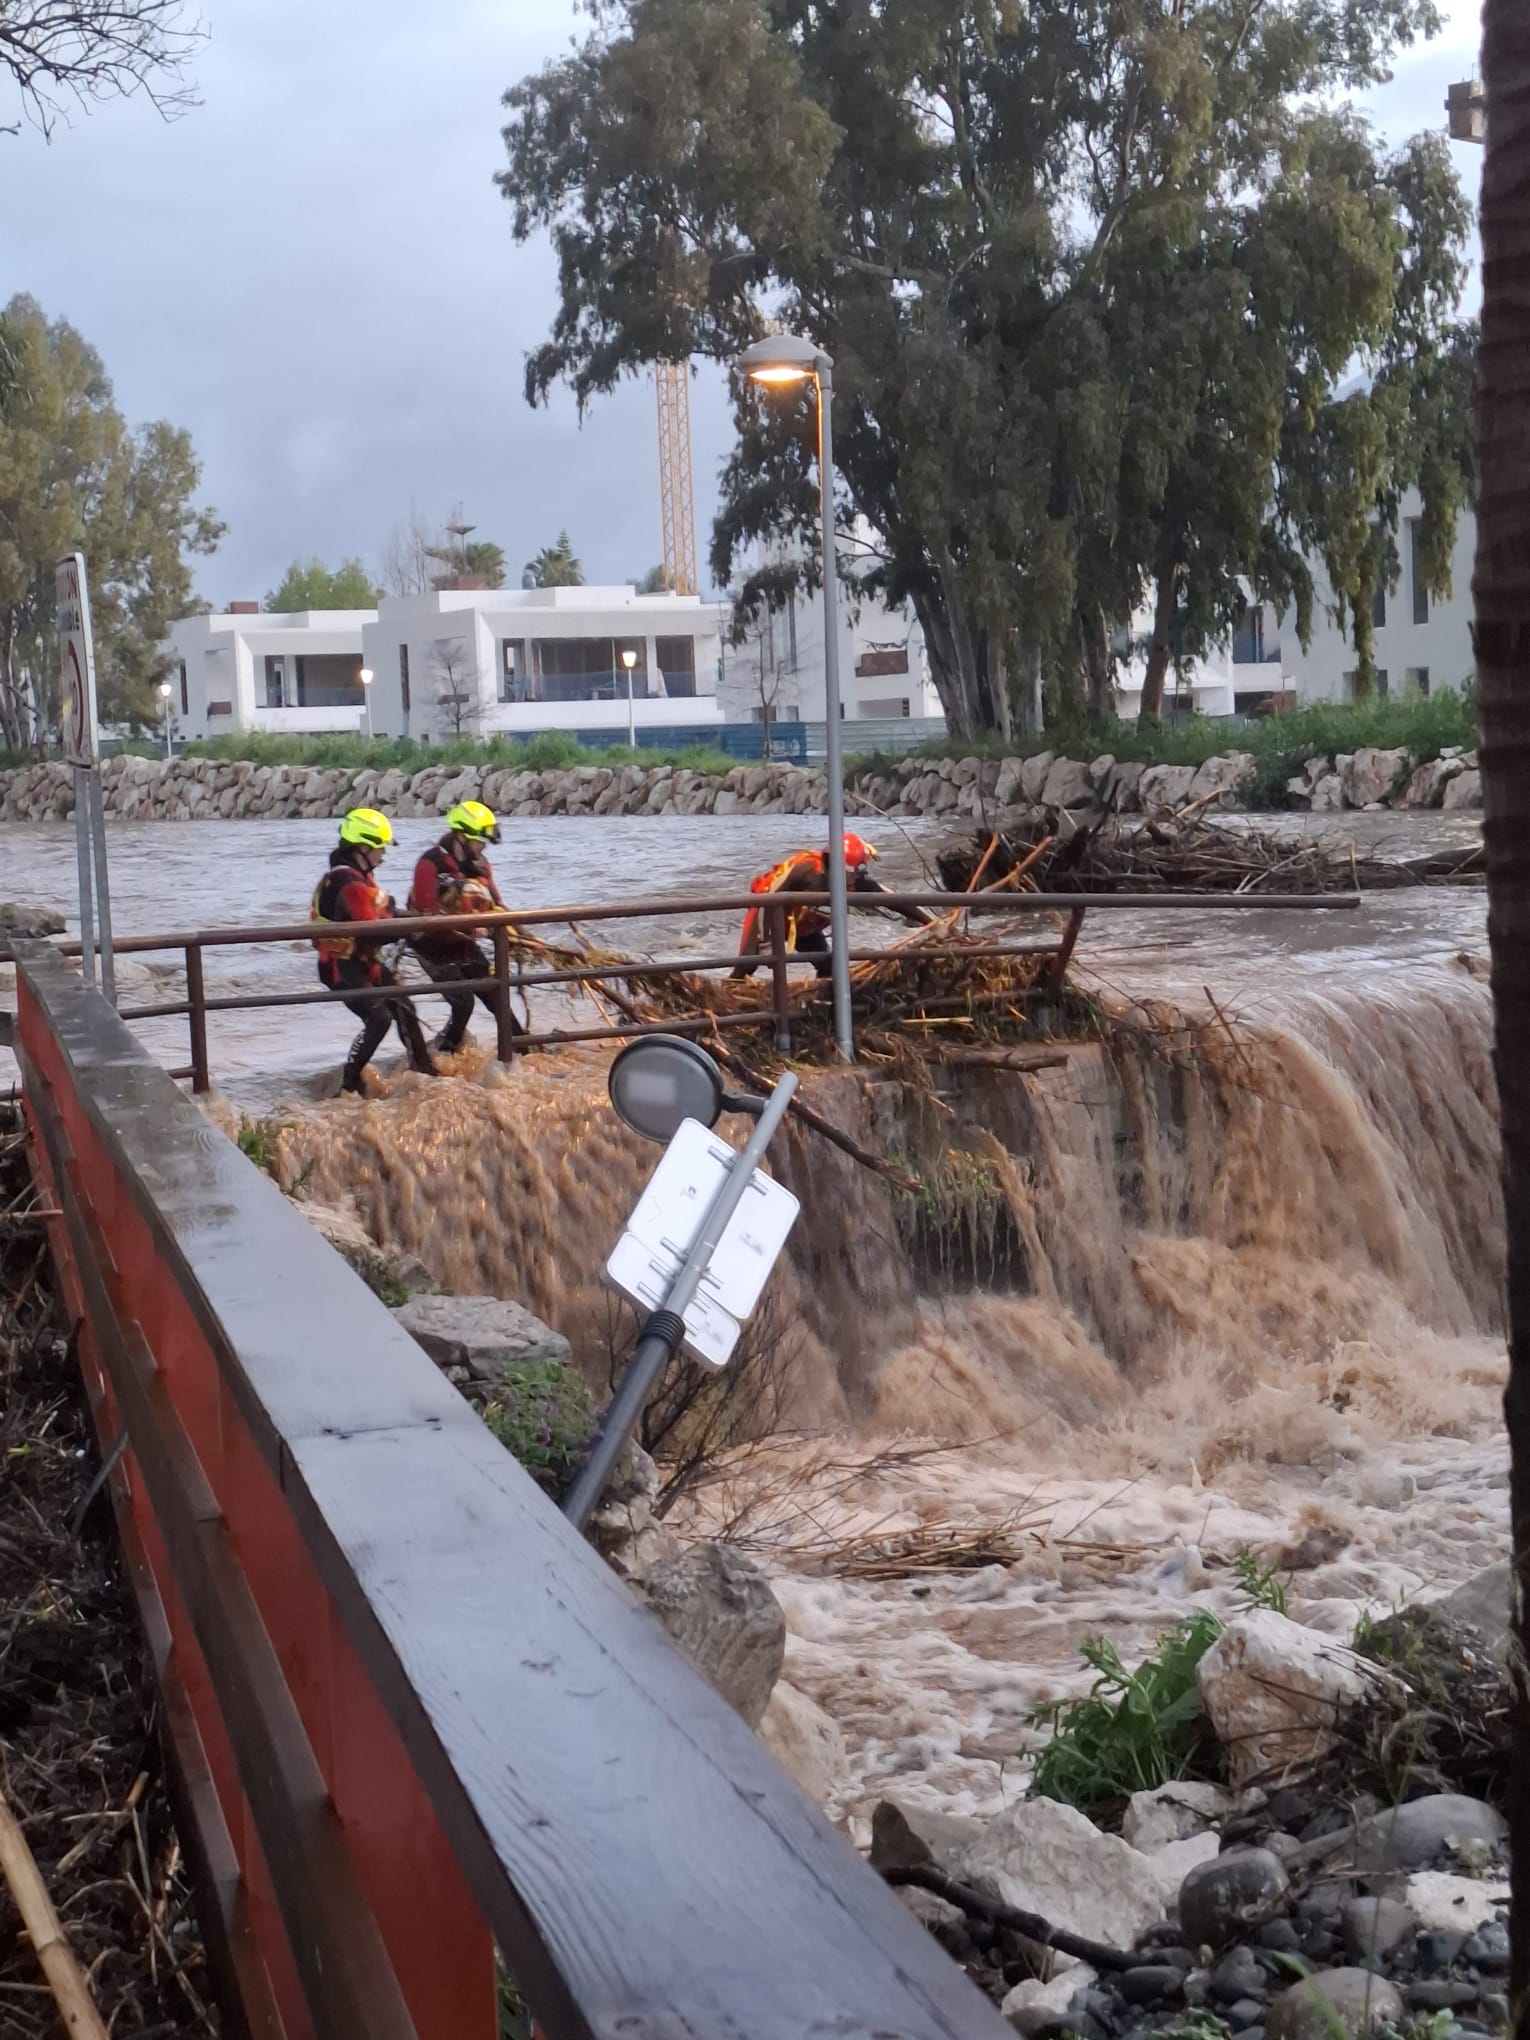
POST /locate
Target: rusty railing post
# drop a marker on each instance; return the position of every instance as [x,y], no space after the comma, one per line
[504,1018]
[1065,951]
[196,999]
[775,918]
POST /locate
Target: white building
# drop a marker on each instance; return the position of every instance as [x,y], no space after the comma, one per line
[474,662]
[884,673]
[1422,643]
[246,670]
[485,662]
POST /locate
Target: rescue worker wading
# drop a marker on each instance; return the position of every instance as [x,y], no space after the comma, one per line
[349,896]
[453,877]
[807,928]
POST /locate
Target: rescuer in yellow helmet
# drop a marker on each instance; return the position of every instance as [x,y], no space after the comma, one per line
[455,877]
[347,896]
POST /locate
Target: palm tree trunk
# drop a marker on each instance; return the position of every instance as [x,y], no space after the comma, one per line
[1501,589]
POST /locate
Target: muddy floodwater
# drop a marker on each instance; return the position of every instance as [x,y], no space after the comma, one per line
[1251,1303]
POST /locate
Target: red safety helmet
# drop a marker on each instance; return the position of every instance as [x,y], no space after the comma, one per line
[857,850]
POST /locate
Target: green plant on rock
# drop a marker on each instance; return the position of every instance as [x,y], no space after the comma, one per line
[543,1413]
[260,1141]
[1261,1588]
[1132,1730]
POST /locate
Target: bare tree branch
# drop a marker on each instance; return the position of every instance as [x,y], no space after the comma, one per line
[62,51]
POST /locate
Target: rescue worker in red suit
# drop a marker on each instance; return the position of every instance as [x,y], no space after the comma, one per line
[807,928]
[453,877]
[348,895]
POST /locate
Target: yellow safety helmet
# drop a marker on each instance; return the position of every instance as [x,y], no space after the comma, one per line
[366,827]
[470,818]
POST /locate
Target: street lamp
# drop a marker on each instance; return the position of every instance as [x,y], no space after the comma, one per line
[782,360]
[366,695]
[629,660]
[164,695]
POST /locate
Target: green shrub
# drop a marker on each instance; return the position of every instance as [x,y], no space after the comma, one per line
[541,1411]
[1132,1730]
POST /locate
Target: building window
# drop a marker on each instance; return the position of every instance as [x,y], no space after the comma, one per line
[185,691]
[677,663]
[906,710]
[403,676]
[275,673]
[514,673]
[1416,570]
[1383,686]
[1248,637]
[1417,682]
[1379,607]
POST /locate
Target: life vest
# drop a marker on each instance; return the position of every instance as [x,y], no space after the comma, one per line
[327,906]
[798,919]
[457,891]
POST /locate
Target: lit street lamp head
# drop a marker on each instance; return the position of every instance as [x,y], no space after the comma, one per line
[629,659]
[366,676]
[164,690]
[783,358]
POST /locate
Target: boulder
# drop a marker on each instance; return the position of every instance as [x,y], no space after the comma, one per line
[1464,791]
[1442,1903]
[905,1837]
[1336,2004]
[1125,787]
[719,1610]
[1165,786]
[1483,1605]
[1423,1833]
[805,1741]
[1220,782]
[1034,2005]
[1068,785]
[1327,794]
[1007,787]
[1426,785]
[1101,770]
[1033,775]
[1173,1863]
[1173,1812]
[1376,1928]
[1370,775]
[1220,1901]
[624,1529]
[1275,1692]
[481,1333]
[1044,1857]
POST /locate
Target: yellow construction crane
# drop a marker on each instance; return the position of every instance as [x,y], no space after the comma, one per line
[676,489]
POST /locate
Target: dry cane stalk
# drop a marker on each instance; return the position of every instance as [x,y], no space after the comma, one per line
[70,1992]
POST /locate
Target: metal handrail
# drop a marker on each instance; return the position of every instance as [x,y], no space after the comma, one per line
[502,924]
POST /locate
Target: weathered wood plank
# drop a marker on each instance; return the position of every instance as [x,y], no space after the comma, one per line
[648,1868]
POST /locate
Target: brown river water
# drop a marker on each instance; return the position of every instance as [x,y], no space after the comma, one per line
[1245,1296]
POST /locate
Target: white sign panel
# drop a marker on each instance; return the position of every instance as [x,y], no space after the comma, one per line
[77,661]
[667,1219]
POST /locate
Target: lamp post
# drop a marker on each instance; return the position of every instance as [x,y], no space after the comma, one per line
[781,360]
[366,695]
[164,695]
[629,660]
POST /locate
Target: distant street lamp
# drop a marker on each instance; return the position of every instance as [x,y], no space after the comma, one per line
[629,660]
[366,695]
[782,360]
[164,695]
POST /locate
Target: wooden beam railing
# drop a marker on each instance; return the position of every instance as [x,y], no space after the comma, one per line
[411,1715]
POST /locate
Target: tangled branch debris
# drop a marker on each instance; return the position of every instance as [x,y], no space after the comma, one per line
[1188,853]
[79,1760]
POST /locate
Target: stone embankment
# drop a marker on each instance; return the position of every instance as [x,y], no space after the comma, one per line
[213,789]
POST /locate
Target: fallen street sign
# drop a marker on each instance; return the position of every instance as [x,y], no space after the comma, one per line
[668,1217]
[77,662]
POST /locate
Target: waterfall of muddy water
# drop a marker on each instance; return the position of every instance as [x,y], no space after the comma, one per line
[1213,1288]
[1240,1288]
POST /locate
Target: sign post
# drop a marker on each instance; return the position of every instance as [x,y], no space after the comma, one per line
[77,704]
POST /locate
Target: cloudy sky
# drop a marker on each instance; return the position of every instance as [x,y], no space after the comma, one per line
[314,272]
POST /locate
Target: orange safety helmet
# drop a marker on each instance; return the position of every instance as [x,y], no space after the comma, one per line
[857,851]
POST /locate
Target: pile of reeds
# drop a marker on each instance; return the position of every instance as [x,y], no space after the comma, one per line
[1188,852]
[81,1787]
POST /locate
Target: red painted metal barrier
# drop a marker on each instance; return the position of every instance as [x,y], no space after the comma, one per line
[410,1713]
